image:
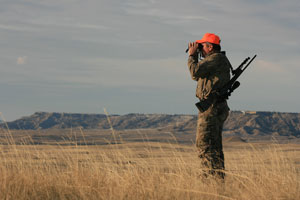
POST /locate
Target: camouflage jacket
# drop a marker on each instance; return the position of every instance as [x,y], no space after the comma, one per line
[211,73]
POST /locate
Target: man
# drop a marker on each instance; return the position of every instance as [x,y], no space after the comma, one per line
[211,74]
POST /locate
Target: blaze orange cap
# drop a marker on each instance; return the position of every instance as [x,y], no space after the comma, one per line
[211,38]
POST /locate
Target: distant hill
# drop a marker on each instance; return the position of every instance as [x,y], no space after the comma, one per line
[46,120]
[238,123]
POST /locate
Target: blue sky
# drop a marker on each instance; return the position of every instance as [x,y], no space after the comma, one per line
[128,55]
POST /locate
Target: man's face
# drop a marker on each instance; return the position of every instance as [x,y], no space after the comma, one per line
[207,48]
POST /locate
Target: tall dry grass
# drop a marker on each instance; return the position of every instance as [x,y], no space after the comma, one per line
[143,171]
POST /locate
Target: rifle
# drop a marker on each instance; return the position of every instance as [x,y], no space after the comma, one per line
[225,91]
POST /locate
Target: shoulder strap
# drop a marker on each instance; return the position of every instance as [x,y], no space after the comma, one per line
[231,68]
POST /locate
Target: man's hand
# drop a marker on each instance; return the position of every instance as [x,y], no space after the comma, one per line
[193,48]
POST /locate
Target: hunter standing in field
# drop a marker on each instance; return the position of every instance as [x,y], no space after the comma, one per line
[211,74]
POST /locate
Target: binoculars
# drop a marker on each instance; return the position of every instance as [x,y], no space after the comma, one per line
[199,49]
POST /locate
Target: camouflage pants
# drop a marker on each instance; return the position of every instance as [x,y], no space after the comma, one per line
[209,138]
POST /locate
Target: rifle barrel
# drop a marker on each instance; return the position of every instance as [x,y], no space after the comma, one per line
[249,62]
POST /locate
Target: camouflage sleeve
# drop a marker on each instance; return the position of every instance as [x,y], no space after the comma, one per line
[200,69]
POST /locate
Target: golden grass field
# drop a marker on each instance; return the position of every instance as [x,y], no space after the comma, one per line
[145,170]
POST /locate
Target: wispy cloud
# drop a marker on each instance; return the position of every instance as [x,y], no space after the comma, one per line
[269,66]
[17,27]
[67,24]
[135,73]
[164,14]
[22,60]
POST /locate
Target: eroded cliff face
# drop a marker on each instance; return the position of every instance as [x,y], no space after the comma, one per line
[238,122]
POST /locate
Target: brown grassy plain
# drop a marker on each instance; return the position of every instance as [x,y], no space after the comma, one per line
[141,170]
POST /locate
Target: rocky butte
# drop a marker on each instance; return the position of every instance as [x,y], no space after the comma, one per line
[240,123]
